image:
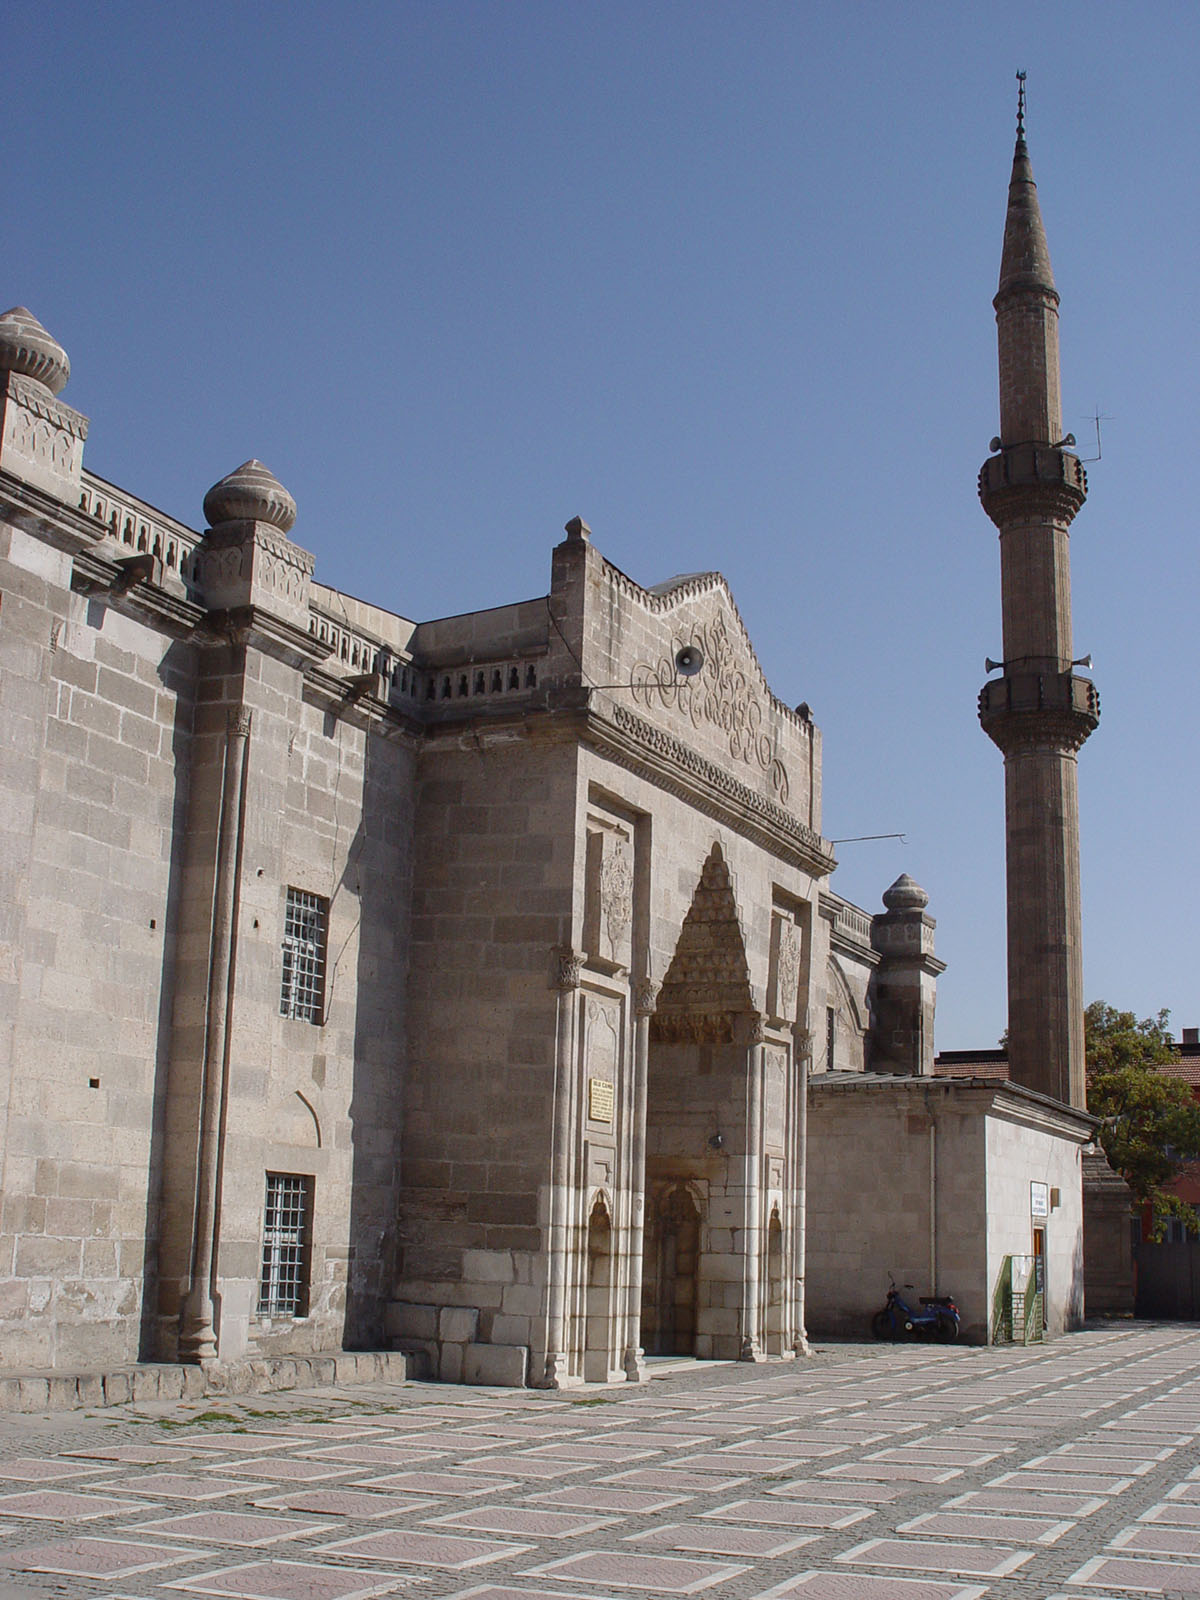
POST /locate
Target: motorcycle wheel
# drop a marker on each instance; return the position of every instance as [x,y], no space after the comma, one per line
[881,1325]
[947,1330]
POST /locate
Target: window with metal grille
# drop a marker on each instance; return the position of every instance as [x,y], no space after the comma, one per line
[302,993]
[283,1287]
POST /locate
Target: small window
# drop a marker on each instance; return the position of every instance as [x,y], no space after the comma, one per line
[305,923]
[283,1288]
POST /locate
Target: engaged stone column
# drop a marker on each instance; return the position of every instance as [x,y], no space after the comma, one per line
[569,974]
[645,1001]
[752,1291]
[802,1043]
[197,1323]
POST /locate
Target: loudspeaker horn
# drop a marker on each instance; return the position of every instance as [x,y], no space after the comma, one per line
[991,666]
[689,660]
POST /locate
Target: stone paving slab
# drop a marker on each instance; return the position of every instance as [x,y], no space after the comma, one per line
[290,1580]
[723,1541]
[913,1472]
[36,1469]
[95,1558]
[617,1570]
[1143,1577]
[861,1586]
[524,1522]
[411,1547]
[58,1505]
[184,1486]
[231,1527]
[643,1502]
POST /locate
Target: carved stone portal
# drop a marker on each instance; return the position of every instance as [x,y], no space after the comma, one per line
[708,981]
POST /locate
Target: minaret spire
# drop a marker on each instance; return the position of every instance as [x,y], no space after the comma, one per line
[1038,713]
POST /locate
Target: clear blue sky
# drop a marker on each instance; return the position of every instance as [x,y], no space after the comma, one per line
[716,277]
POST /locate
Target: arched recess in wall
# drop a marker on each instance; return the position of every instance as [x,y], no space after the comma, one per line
[599,1353]
[849,1026]
[294,1121]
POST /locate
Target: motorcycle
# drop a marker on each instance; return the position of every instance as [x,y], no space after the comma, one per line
[937,1318]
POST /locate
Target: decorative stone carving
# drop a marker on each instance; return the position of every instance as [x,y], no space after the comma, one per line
[569,969]
[616,890]
[251,493]
[789,950]
[906,894]
[608,896]
[725,696]
[708,981]
[684,772]
[27,348]
[645,998]
[41,439]
[246,558]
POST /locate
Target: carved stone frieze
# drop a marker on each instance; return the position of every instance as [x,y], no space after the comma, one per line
[714,789]
[725,696]
[42,439]
[252,563]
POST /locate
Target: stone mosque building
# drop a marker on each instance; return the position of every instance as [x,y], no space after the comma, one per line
[473,987]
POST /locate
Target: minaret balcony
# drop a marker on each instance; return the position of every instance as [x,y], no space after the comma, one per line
[1048,710]
[1032,476]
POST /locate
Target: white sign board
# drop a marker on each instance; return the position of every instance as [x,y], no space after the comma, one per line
[1039,1199]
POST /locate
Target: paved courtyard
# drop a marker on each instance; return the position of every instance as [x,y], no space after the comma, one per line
[869,1473]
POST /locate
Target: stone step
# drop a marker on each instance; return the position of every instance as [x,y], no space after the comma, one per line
[147,1380]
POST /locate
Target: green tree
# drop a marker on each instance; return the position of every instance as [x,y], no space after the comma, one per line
[1150,1125]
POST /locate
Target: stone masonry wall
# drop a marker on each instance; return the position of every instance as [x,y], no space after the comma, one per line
[493,881]
[96,717]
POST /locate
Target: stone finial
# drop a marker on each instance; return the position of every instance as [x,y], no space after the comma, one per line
[905,895]
[577,528]
[26,347]
[250,494]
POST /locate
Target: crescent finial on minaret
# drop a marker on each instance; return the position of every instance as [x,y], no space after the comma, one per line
[1020,108]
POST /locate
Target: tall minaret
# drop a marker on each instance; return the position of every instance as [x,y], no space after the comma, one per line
[1038,713]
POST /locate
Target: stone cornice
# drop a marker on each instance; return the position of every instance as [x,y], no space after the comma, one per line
[46,516]
[1011,1100]
[263,630]
[35,397]
[92,572]
[332,693]
[682,771]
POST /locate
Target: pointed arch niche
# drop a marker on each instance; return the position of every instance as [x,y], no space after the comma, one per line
[697,1132]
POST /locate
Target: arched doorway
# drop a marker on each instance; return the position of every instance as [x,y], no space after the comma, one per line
[598,1319]
[775,1297]
[669,1320]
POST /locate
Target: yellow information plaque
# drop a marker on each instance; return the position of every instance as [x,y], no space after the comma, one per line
[600,1100]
